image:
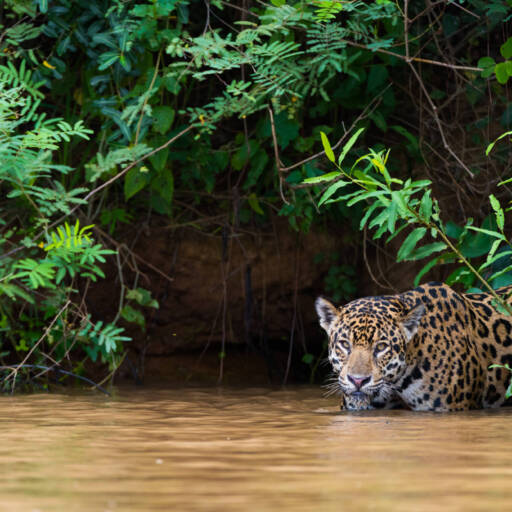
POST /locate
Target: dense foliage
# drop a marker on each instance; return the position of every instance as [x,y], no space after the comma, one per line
[209,113]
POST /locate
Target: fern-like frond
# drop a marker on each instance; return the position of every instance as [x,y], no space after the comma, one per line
[105,164]
[21,78]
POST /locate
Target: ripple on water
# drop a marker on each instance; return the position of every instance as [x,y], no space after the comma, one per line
[254,449]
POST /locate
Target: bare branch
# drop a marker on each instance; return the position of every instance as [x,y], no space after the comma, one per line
[415,59]
[276,155]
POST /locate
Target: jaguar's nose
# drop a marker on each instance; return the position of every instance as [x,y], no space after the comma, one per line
[358,380]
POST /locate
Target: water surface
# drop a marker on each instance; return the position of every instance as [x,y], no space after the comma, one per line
[240,450]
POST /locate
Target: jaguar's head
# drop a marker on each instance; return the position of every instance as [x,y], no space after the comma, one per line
[368,341]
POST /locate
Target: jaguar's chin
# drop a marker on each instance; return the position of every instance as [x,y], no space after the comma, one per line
[356,401]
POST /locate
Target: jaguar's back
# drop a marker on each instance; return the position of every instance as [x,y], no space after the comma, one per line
[492,331]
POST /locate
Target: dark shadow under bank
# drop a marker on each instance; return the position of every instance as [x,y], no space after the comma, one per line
[241,366]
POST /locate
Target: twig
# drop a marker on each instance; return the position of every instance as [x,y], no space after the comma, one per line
[123,287]
[57,369]
[369,268]
[276,155]
[207,22]
[416,59]
[133,164]
[233,6]
[438,121]
[406,30]
[146,99]
[111,374]
[365,113]
[443,2]
[455,4]
[133,254]
[422,85]
[14,372]
[225,263]
[294,317]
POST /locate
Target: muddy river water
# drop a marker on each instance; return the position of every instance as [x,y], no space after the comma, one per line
[238,450]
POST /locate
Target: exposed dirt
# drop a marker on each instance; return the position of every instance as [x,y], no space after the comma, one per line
[239,288]
[251,290]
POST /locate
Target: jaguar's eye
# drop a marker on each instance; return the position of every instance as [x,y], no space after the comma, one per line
[380,347]
[345,344]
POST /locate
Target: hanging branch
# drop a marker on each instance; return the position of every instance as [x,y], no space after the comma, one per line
[279,164]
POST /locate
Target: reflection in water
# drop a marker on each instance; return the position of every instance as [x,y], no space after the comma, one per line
[232,450]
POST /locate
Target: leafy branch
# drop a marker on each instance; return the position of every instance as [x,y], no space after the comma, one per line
[395,204]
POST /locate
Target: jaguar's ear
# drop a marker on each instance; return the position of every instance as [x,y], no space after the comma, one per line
[326,312]
[412,319]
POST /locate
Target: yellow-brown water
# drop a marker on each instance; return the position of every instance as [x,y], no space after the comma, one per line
[250,450]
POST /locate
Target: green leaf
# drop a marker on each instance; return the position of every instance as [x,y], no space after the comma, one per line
[345,197]
[501,73]
[460,274]
[427,250]
[486,62]
[397,232]
[254,204]
[410,243]
[142,297]
[245,153]
[43,5]
[380,231]
[494,234]
[500,307]
[500,273]
[133,316]
[61,273]
[452,230]
[278,3]
[308,358]
[392,212]
[108,59]
[325,177]
[381,219]
[12,291]
[491,145]
[163,184]
[500,216]
[494,248]
[361,196]
[258,164]
[378,78]
[159,159]
[492,258]
[506,366]
[368,181]
[332,190]
[431,264]
[486,73]
[413,140]
[379,120]
[397,196]
[426,206]
[287,129]
[327,147]
[506,49]
[348,146]
[368,213]
[508,392]
[163,116]
[135,180]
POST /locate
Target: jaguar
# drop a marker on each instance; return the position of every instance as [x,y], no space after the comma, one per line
[428,349]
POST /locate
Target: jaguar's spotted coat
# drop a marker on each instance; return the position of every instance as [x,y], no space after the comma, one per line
[429,348]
